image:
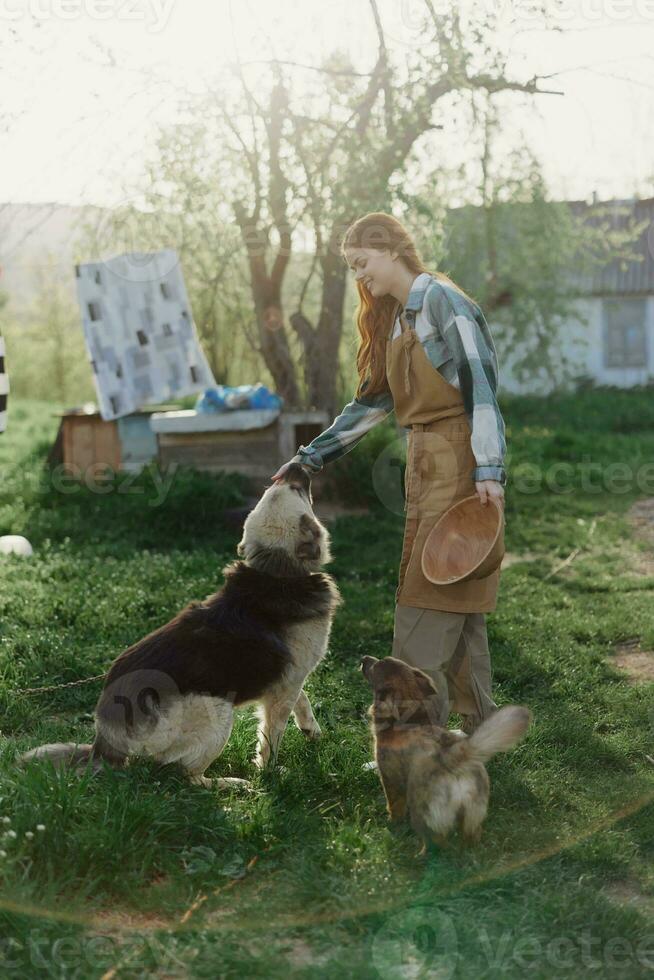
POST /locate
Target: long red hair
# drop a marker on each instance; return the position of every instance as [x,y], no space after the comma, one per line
[374,316]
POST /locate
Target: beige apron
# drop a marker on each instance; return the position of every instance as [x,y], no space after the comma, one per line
[438,472]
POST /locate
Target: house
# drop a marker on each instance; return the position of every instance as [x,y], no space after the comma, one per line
[615,346]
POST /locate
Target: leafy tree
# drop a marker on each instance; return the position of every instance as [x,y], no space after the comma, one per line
[527,259]
[263,170]
[45,341]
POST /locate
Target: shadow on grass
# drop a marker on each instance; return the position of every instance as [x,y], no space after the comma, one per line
[178,508]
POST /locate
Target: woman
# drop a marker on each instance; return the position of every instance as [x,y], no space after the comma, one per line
[426,352]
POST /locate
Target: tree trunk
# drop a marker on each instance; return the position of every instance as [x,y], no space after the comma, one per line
[266,291]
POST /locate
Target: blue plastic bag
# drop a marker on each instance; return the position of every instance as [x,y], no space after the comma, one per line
[225,398]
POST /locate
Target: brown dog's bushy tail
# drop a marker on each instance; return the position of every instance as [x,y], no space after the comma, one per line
[499,733]
[76,754]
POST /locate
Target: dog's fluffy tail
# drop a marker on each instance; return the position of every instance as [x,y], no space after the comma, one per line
[76,754]
[499,733]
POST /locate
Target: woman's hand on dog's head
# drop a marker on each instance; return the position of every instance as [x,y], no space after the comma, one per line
[279,475]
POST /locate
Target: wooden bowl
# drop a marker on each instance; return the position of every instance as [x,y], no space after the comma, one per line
[467,542]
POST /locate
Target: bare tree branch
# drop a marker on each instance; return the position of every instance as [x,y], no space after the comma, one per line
[382,65]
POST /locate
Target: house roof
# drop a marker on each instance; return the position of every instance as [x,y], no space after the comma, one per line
[619,277]
[615,277]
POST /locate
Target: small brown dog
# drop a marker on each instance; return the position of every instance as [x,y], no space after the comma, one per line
[437,775]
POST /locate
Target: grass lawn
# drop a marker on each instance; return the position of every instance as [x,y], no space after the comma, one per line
[138,873]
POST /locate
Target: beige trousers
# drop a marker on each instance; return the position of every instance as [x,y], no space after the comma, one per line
[452,648]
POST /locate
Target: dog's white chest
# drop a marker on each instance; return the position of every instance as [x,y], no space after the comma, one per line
[308,641]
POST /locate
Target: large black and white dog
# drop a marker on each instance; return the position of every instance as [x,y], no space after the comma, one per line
[172,695]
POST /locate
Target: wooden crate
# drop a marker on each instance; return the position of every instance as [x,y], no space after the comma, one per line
[201,441]
[86,441]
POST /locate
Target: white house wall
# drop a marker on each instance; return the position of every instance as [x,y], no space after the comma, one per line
[584,349]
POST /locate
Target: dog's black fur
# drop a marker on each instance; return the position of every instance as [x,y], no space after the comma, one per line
[171,695]
[231,644]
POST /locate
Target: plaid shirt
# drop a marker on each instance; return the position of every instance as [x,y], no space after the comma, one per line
[4,387]
[456,338]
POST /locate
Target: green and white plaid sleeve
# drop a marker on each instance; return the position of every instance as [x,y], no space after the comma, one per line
[468,338]
[358,417]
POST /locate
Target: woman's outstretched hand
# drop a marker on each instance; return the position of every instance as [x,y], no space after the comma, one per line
[279,475]
[490,488]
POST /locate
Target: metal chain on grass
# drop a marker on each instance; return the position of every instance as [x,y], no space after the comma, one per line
[59,687]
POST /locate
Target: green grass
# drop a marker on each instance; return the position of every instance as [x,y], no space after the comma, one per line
[303,877]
